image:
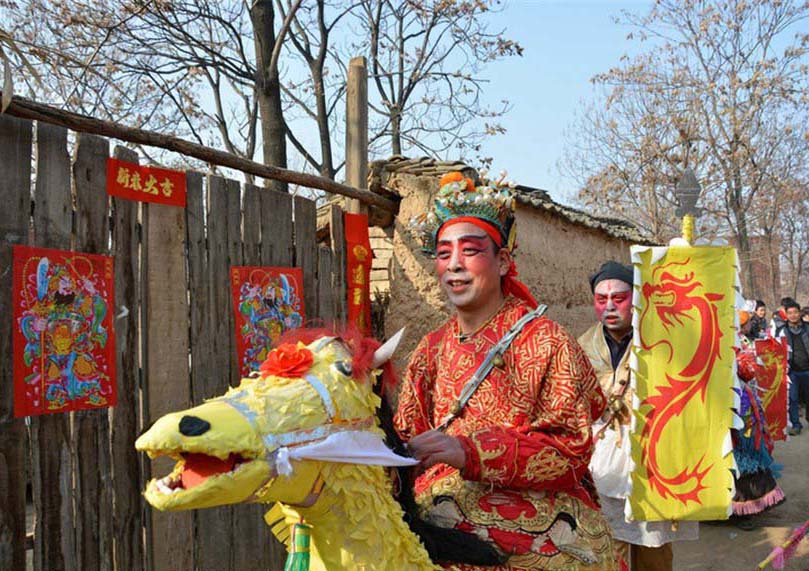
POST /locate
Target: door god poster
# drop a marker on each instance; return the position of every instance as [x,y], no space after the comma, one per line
[64,343]
[266,302]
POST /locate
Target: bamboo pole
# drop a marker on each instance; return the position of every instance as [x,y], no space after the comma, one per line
[27,109]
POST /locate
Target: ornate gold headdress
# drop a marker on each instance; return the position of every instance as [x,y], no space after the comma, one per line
[458,197]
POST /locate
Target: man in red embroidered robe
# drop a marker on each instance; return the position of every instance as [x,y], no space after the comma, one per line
[512,467]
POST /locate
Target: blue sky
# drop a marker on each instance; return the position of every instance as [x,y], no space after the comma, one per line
[566,43]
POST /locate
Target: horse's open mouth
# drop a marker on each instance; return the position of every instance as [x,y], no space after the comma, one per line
[199,480]
[196,469]
[219,459]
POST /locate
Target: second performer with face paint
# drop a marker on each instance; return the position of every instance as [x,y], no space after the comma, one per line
[647,545]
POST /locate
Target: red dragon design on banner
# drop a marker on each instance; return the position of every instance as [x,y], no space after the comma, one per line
[684,326]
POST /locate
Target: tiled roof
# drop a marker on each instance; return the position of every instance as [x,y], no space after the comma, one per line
[534,197]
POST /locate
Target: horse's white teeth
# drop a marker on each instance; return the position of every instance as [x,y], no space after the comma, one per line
[169,484]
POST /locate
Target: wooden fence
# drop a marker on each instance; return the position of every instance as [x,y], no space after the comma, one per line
[174,347]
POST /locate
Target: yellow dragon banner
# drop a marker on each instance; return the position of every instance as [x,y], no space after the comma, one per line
[683,361]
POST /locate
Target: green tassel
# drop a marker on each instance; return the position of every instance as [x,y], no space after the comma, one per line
[298,557]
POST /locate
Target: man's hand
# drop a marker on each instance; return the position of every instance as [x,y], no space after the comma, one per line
[434,447]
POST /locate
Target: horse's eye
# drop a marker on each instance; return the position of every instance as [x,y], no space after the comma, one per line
[344,367]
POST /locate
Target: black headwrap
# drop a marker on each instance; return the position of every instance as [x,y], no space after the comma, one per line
[612,271]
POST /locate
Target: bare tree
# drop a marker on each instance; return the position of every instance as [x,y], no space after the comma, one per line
[426,59]
[719,84]
[250,76]
[627,157]
[318,94]
[794,237]
[186,67]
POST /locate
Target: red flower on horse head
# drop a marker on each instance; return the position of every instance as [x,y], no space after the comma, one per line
[287,360]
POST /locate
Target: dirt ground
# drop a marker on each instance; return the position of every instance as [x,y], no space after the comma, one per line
[725,547]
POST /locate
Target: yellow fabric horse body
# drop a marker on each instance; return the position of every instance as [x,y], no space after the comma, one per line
[236,448]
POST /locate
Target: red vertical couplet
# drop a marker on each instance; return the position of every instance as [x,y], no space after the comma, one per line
[145,184]
[358,261]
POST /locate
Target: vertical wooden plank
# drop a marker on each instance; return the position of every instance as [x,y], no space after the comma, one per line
[52,462]
[15,194]
[234,258]
[165,362]
[254,547]
[203,373]
[214,527]
[251,210]
[306,250]
[200,337]
[277,246]
[203,377]
[218,280]
[240,527]
[325,295]
[93,497]
[126,469]
[338,247]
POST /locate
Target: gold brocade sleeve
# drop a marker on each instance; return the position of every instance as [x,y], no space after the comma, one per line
[412,415]
[553,450]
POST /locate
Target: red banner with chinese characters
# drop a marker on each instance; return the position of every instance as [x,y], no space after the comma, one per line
[267,302]
[771,376]
[146,184]
[358,247]
[64,342]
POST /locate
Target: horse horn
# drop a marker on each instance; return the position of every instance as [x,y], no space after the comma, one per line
[386,351]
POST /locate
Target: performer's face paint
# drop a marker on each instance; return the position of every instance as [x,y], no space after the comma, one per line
[613,305]
[468,267]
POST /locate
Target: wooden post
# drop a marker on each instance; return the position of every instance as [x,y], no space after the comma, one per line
[214,534]
[126,466]
[91,427]
[338,247]
[52,460]
[357,131]
[15,193]
[165,363]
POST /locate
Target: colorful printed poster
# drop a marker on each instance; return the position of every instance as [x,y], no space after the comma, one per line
[146,184]
[683,360]
[359,258]
[64,342]
[771,376]
[266,302]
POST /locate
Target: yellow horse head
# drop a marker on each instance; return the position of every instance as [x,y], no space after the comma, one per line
[241,447]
